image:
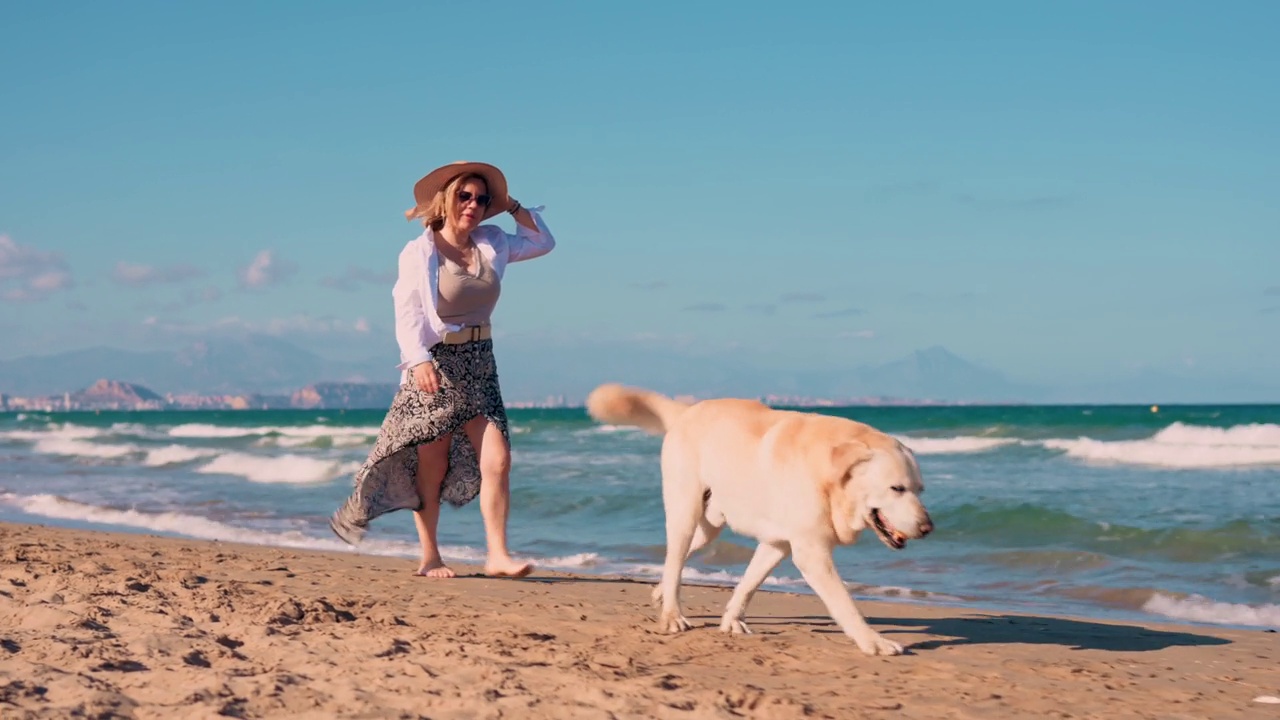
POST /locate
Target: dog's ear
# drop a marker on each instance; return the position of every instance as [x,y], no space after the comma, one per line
[846,456]
[842,498]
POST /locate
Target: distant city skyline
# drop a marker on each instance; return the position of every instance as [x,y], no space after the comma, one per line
[1079,198]
[257,370]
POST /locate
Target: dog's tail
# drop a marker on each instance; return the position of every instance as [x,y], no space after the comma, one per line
[620,405]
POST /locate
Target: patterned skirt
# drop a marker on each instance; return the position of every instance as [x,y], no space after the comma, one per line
[388,479]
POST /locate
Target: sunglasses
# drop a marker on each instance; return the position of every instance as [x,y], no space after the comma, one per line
[465,197]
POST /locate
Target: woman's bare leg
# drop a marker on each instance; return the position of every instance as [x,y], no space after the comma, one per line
[495,495]
[433,463]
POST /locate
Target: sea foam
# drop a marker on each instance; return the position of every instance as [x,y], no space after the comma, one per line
[1183,446]
[176,455]
[302,432]
[1201,609]
[203,528]
[953,445]
[69,447]
[54,432]
[287,468]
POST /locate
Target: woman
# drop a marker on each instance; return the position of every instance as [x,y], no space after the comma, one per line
[445,437]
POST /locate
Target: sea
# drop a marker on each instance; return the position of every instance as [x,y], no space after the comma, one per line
[1126,513]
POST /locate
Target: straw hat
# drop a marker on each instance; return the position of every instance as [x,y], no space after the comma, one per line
[496,183]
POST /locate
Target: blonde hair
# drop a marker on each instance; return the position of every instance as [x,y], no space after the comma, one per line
[434,212]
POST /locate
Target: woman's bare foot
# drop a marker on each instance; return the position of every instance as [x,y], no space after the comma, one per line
[507,566]
[436,569]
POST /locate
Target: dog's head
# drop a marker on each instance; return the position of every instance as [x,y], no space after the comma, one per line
[879,488]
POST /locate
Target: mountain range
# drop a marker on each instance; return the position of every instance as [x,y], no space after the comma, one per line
[254,363]
[234,364]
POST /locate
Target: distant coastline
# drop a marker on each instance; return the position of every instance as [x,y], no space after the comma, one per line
[116,395]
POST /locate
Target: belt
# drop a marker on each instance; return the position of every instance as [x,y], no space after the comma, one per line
[467,334]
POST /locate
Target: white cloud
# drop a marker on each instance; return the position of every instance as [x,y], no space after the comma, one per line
[22,261]
[138,275]
[353,277]
[265,270]
[292,325]
[50,281]
[28,274]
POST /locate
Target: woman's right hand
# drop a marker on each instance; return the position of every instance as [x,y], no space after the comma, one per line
[426,377]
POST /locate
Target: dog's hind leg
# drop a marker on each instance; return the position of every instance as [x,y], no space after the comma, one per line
[767,557]
[710,523]
[683,504]
[815,563]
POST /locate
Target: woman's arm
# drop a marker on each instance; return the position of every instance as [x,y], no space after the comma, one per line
[414,334]
[524,217]
[532,238]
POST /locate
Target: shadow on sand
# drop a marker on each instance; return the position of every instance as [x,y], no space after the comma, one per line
[976,629]
[1010,629]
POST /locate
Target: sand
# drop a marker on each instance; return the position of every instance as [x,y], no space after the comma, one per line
[107,625]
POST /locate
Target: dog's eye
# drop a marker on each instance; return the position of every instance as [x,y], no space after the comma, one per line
[899,489]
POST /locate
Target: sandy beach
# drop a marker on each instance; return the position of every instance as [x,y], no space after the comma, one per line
[109,625]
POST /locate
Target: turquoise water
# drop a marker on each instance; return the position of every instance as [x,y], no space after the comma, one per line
[1109,512]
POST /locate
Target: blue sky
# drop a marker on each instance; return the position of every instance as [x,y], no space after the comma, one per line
[1063,192]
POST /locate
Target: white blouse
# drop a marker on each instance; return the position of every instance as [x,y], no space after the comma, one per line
[418,324]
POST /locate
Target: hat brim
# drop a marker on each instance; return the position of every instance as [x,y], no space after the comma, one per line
[495,182]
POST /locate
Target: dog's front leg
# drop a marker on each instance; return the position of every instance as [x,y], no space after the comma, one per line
[815,563]
[767,557]
[670,619]
[683,505]
[706,533]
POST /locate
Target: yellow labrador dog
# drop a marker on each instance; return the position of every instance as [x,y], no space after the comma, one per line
[799,483]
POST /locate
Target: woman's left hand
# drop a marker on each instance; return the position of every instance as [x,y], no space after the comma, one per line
[521,215]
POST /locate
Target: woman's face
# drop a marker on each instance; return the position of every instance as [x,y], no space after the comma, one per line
[469,202]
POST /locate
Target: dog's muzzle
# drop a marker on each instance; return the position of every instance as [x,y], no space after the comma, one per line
[892,537]
[926,527]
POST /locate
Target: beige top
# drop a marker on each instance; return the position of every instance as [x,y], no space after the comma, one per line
[467,299]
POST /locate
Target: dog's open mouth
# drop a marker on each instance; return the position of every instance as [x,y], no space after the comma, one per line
[887,533]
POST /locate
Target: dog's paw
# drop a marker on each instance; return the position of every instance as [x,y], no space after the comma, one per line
[673,622]
[877,644]
[734,626]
